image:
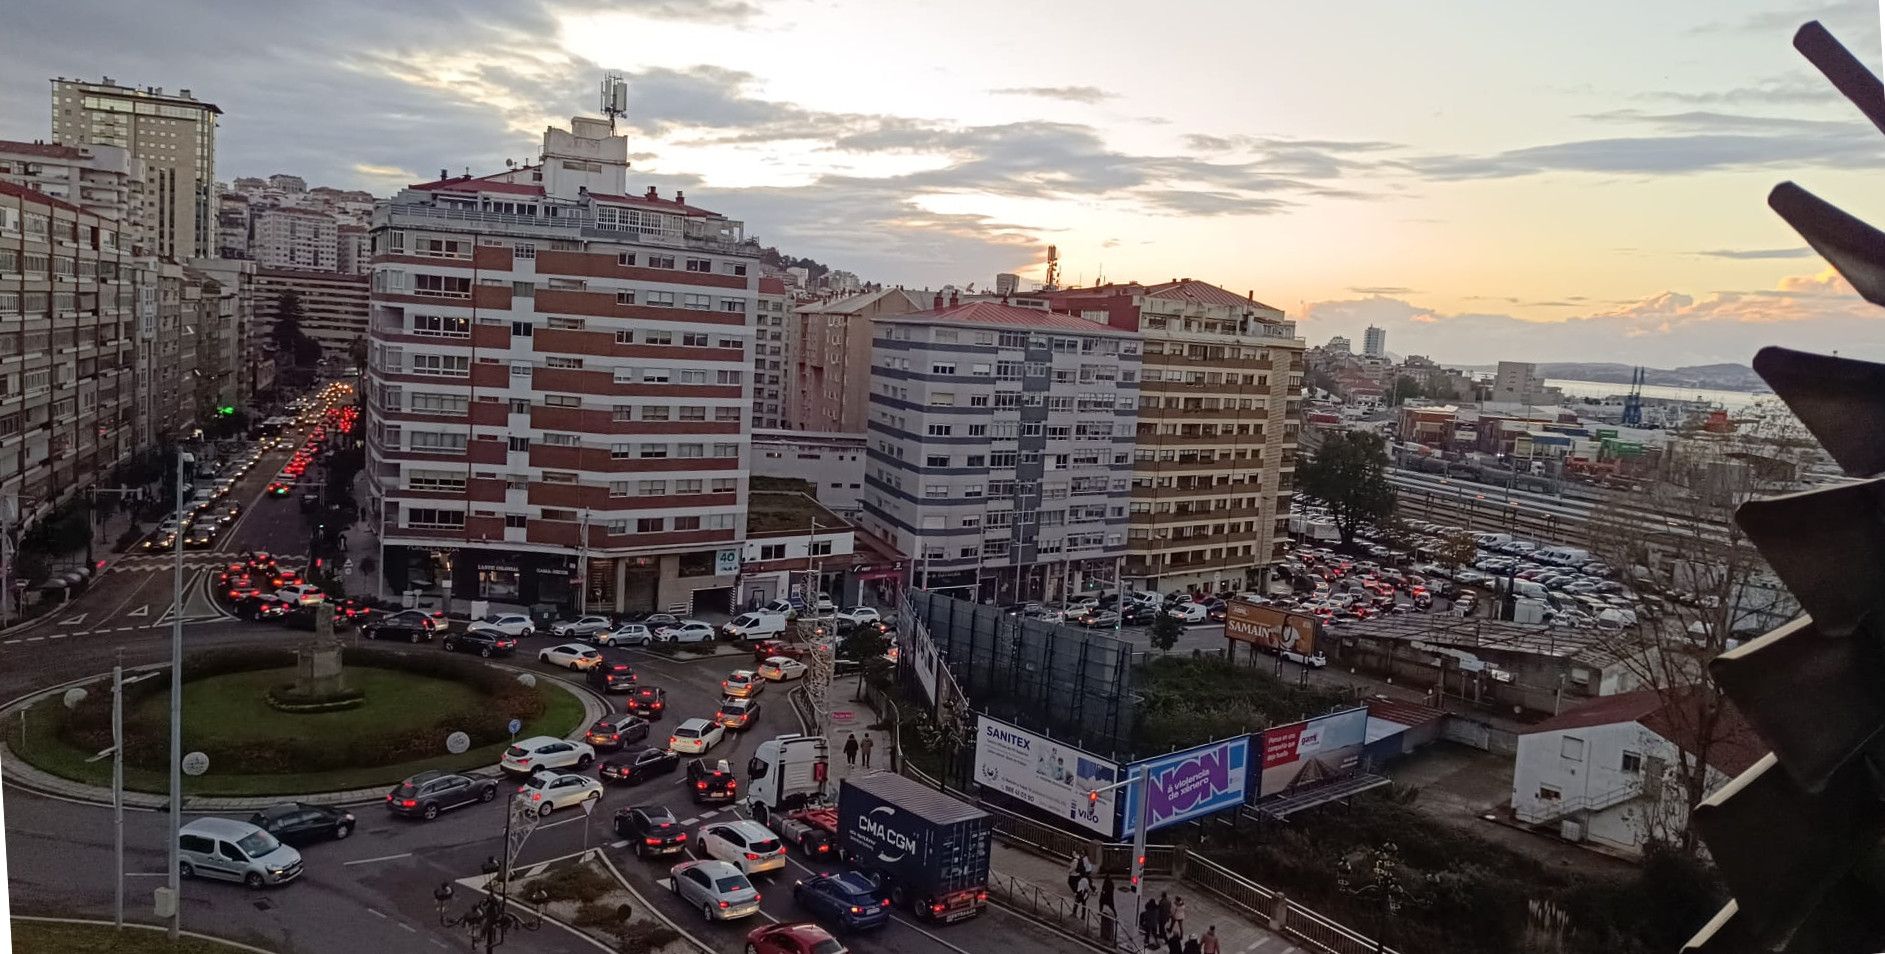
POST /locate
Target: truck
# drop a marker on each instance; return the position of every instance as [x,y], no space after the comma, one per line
[929,850]
[786,773]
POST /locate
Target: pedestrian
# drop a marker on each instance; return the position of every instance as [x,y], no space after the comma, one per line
[1192,946]
[1164,914]
[1106,897]
[1081,890]
[1208,943]
[850,750]
[1174,944]
[1178,916]
[1148,923]
[864,749]
[1078,868]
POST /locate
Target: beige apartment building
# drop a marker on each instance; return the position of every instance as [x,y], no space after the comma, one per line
[829,358]
[1219,409]
[173,134]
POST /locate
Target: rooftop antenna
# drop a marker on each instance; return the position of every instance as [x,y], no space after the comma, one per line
[614,98]
[1053,268]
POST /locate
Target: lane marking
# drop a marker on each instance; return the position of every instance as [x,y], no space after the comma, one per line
[78,620]
[61,635]
[537,870]
[565,821]
[144,610]
[689,821]
[378,915]
[619,844]
[368,861]
[408,927]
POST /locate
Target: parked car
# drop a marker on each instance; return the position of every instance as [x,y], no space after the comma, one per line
[614,732]
[747,845]
[696,736]
[649,702]
[637,767]
[574,656]
[545,752]
[711,784]
[652,829]
[549,791]
[755,626]
[858,615]
[581,626]
[718,890]
[613,676]
[686,631]
[415,617]
[847,898]
[627,634]
[299,823]
[484,642]
[232,850]
[510,624]
[427,794]
[782,669]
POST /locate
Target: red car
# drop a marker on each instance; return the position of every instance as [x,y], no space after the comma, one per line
[767,648]
[801,938]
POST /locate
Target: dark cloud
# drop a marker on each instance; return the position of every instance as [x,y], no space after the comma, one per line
[1071,94]
[1759,253]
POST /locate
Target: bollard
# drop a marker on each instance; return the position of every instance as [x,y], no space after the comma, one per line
[1279,913]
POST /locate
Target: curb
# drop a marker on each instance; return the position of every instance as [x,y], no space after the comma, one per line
[89,922]
[603,857]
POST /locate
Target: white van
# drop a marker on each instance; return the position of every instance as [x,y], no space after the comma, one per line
[235,851]
[755,626]
[1489,541]
[1562,556]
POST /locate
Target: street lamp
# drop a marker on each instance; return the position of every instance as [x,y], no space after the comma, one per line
[118,684]
[489,918]
[184,460]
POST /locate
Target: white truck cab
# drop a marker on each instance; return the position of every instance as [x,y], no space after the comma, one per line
[787,772]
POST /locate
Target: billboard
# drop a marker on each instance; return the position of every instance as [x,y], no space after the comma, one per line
[1303,753]
[1270,628]
[1045,774]
[1185,785]
[922,651]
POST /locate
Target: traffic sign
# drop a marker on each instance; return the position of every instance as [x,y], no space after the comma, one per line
[196,763]
[459,743]
[843,715]
[516,725]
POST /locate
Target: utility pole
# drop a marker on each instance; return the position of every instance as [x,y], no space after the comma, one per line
[582,566]
[117,785]
[176,715]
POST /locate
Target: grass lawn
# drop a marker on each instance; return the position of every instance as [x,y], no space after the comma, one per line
[36,937]
[235,707]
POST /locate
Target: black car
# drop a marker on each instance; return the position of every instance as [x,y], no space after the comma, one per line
[413,617]
[400,632]
[484,642]
[649,702]
[637,767]
[299,823]
[715,784]
[617,731]
[426,794]
[652,828]
[612,676]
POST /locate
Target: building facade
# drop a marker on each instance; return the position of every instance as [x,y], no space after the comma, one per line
[1374,342]
[829,344]
[1000,448]
[103,180]
[334,307]
[174,135]
[560,384]
[1219,412]
[770,360]
[833,463]
[1518,382]
[286,237]
[353,250]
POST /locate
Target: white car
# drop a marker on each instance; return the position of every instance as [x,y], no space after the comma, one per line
[627,634]
[549,791]
[546,752]
[823,606]
[510,624]
[859,615]
[1189,613]
[300,594]
[686,631]
[742,684]
[781,669]
[696,736]
[574,656]
[585,626]
[746,845]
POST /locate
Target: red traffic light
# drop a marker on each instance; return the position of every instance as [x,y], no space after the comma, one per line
[1093,798]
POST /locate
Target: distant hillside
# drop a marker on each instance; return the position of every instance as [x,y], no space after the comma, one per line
[1725,377]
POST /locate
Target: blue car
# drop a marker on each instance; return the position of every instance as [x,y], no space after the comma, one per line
[846,898]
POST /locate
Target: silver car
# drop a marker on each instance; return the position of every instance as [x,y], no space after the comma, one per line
[586,626]
[627,634]
[717,889]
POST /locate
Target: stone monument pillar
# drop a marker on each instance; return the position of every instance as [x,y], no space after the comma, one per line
[319,672]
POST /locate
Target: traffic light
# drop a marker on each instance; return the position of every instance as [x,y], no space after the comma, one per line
[227,410]
[1093,797]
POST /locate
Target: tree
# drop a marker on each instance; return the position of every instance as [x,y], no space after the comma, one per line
[288,315]
[1348,474]
[1165,632]
[1456,550]
[1322,379]
[357,352]
[1404,387]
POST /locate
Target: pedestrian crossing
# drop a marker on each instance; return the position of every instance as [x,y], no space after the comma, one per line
[153,562]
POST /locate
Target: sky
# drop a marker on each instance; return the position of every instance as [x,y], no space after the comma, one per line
[1517,181]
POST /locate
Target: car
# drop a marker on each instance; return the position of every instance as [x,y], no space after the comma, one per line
[696,736]
[718,890]
[280,578]
[649,702]
[414,617]
[281,486]
[395,631]
[202,534]
[796,938]
[627,634]
[711,784]
[582,626]
[510,624]
[747,845]
[612,676]
[232,850]
[302,594]
[782,669]
[355,610]
[261,607]
[161,541]
[303,618]
[427,794]
[1100,619]
[484,642]
[541,752]
[613,732]
[849,899]
[686,631]
[230,572]
[636,767]
[769,648]
[549,791]
[299,823]
[652,829]
[859,615]
[655,621]
[1189,613]
[1314,660]
[575,656]
[737,715]
[742,684]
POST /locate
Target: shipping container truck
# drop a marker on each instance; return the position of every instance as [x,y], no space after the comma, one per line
[929,850]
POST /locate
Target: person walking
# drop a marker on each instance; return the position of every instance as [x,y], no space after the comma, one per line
[1082,889]
[850,750]
[1174,944]
[1148,923]
[1164,914]
[1208,943]
[1109,914]
[1078,868]
[1177,925]
[864,749]
[1193,946]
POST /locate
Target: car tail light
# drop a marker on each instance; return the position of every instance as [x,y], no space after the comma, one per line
[935,909]
[672,741]
[681,837]
[733,783]
[658,705]
[408,803]
[856,910]
[723,904]
[751,856]
[652,841]
[824,848]
[884,903]
[981,896]
[701,786]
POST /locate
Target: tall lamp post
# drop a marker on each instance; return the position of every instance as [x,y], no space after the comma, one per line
[489,919]
[184,460]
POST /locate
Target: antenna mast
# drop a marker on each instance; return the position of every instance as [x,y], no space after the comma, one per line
[614,98]
[1053,268]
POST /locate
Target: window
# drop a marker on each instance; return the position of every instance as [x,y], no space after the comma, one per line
[772,551]
[625,297]
[942,398]
[687,523]
[940,430]
[726,450]
[562,400]
[625,258]
[553,439]
[700,265]
[434,480]
[693,413]
[733,268]
[651,524]
[660,261]
[978,430]
[1632,763]
[441,365]
[936,490]
[523,250]
[619,488]
[693,377]
[1572,749]
[1548,793]
[694,340]
[522,329]
[440,519]
[724,414]
[435,442]
[657,337]
[735,305]
[697,302]
[426,403]
[659,299]
[557,361]
[516,521]
[565,324]
[690,486]
[942,369]
[654,412]
[653,451]
[938,460]
[520,443]
[441,326]
[441,286]
[523,290]
[557,477]
[721,485]
[732,377]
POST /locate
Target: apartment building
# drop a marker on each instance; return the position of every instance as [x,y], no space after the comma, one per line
[560,382]
[1000,448]
[229,370]
[103,180]
[769,353]
[353,253]
[334,307]
[68,301]
[832,463]
[829,343]
[174,135]
[232,224]
[287,237]
[1219,410]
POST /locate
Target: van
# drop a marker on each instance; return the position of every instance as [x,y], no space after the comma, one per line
[755,626]
[1492,541]
[235,851]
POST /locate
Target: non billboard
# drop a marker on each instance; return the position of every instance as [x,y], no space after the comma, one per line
[1270,628]
[1185,785]
[1048,775]
[1303,753]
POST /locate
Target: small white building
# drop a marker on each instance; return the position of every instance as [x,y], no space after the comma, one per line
[1607,772]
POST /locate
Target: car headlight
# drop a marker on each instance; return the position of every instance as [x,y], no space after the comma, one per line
[277,871]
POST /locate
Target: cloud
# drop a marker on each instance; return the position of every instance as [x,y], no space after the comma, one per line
[1792,89]
[1741,254]
[1070,94]
[1380,290]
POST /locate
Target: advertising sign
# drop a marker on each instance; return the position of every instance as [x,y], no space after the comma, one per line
[922,656]
[1185,785]
[726,562]
[1303,753]
[1270,628]
[1045,774]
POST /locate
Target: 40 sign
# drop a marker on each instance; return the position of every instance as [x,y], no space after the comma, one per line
[1185,785]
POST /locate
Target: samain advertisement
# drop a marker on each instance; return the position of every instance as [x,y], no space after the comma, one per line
[1270,628]
[1048,775]
[1304,753]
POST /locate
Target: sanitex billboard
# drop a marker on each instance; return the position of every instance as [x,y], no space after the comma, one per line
[1270,628]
